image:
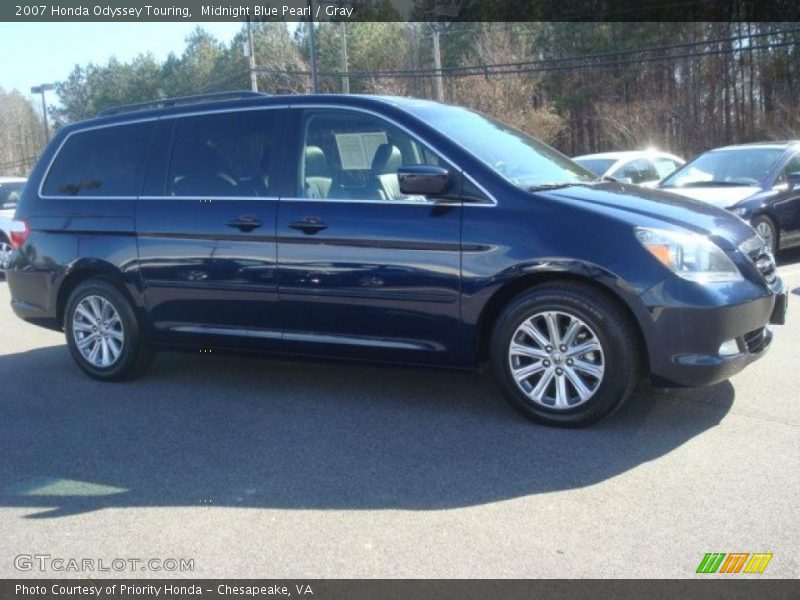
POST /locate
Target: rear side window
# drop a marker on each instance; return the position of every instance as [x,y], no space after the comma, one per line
[223,155]
[105,162]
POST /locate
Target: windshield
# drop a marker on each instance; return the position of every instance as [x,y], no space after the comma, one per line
[598,166]
[521,159]
[741,167]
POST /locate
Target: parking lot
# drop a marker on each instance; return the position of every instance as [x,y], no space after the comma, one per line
[275,469]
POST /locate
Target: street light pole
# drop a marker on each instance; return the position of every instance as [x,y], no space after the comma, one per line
[41,89]
[345,77]
[313,45]
[251,57]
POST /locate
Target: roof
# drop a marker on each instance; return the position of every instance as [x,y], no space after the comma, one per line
[246,100]
[629,154]
[776,145]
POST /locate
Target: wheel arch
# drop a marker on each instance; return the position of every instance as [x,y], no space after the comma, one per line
[84,270]
[512,288]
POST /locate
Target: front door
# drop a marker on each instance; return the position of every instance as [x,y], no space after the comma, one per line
[365,271]
[206,230]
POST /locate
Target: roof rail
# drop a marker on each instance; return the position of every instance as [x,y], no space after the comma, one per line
[178,100]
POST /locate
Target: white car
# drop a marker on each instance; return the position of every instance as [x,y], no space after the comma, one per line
[642,167]
[10,188]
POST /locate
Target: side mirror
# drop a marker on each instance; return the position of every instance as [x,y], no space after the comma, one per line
[422,180]
[793,180]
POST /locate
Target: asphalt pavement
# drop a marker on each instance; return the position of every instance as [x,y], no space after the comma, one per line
[265,468]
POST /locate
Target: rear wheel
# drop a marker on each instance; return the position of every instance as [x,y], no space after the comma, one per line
[565,354]
[766,229]
[103,333]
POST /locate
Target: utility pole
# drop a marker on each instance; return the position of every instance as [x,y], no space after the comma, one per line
[41,89]
[345,77]
[251,57]
[437,64]
[313,46]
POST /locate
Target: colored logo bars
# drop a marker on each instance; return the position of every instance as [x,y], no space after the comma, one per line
[734,562]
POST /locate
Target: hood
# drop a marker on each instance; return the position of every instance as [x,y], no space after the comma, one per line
[721,197]
[651,208]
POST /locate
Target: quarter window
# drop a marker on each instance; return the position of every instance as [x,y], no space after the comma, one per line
[226,154]
[105,162]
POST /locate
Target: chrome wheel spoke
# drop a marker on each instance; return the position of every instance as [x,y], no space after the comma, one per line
[537,393]
[524,372]
[571,332]
[584,348]
[518,349]
[86,314]
[583,392]
[552,328]
[562,399]
[533,332]
[589,368]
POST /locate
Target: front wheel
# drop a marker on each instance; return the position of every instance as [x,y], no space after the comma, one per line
[103,333]
[5,253]
[766,229]
[565,354]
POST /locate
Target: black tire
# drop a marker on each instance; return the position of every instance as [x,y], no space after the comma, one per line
[611,327]
[135,356]
[765,221]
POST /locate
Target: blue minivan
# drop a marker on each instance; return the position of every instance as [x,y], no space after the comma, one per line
[382,229]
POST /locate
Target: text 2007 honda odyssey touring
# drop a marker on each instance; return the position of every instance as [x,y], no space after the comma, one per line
[383,229]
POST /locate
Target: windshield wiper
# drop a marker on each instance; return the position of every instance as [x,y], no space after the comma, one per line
[712,184]
[556,186]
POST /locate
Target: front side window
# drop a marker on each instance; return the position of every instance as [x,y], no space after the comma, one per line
[636,171]
[9,194]
[519,158]
[224,154]
[665,166]
[740,167]
[352,155]
[104,162]
[598,166]
[793,166]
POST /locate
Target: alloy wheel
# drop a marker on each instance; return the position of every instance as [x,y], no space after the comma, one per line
[98,332]
[556,359]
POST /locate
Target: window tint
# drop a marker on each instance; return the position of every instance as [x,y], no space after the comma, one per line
[638,171]
[226,154]
[352,155]
[665,166]
[793,166]
[100,162]
[734,167]
[598,166]
[9,194]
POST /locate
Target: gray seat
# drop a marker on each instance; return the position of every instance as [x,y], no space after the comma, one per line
[385,163]
[318,178]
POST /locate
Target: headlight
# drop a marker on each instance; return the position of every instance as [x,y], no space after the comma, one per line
[689,255]
[740,212]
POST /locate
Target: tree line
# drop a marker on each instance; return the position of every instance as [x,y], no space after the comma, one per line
[582,87]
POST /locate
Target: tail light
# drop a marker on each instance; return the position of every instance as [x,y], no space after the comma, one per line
[19,233]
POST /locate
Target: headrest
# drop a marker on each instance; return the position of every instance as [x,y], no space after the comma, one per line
[316,163]
[387,159]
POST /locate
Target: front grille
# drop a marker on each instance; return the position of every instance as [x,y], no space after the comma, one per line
[756,340]
[759,253]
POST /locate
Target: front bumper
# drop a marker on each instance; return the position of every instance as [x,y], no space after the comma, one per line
[685,342]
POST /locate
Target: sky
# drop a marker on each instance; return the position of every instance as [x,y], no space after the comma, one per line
[34,53]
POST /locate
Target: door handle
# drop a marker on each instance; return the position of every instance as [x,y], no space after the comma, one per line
[309,225]
[245,223]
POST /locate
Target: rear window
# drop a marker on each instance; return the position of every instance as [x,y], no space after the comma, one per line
[105,162]
[598,166]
